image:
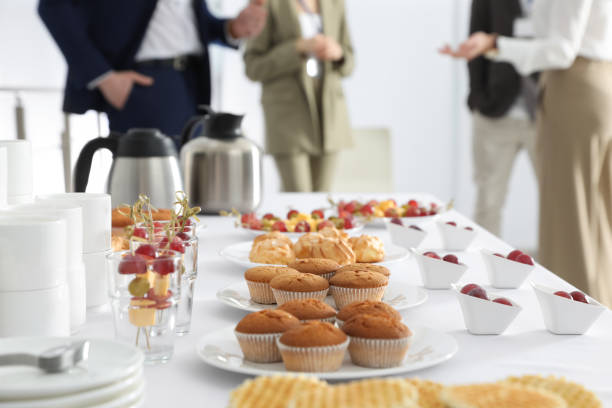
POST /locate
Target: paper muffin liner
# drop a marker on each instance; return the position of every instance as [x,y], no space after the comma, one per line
[313,359]
[328,275]
[339,322]
[261,292]
[344,296]
[330,320]
[283,296]
[378,353]
[259,348]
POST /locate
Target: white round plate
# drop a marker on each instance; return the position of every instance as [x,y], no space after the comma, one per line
[296,235]
[429,347]
[400,295]
[108,362]
[239,254]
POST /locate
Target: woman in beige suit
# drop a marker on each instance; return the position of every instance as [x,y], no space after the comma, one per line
[300,58]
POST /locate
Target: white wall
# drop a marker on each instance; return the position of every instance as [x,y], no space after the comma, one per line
[400,83]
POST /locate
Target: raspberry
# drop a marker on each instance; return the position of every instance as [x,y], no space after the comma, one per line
[451,258]
[397,221]
[503,301]
[514,254]
[453,223]
[467,288]
[524,259]
[431,254]
[563,294]
[479,293]
[579,296]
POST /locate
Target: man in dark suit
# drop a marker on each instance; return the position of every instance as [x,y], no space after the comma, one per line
[143,62]
[503,106]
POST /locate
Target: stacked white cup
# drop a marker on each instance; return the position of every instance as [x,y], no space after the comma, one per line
[3,177]
[96,240]
[34,297]
[19,170]
[75,269]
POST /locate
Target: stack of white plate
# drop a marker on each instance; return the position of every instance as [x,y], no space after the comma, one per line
[111,378]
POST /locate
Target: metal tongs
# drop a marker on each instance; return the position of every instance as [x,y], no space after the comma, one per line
[55,360]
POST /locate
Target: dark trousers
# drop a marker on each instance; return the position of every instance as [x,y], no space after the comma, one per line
[167,104]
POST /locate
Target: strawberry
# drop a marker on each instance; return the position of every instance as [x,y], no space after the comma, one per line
[279,226]
[269,216]
[302,226]
[291,214]
[318,214]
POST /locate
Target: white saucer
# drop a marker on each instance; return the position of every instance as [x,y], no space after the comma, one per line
[429,347]
[239,254]
[399,295]
[108,363]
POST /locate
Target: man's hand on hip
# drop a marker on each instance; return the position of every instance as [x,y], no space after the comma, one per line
[117,86]
[250,21]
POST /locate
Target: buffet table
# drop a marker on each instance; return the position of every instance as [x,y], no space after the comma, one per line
[525,348]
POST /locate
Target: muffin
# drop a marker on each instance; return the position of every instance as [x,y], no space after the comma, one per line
[310,309]
[257,334]
[258,280]
[377,341]
[317,266]
[366,306]
[351,286]
[313,347]
[290,286]
[366,267]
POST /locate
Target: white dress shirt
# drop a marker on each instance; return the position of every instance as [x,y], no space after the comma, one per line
[564,30]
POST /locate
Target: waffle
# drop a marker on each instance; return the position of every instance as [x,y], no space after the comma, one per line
[376,393]
[500,396]
[272,392]
[429,393]
[575,395]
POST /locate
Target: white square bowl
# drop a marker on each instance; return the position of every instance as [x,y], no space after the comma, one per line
[566,316]
[404,236]
[485,316]
[505,273]
[455,238]
[438,274]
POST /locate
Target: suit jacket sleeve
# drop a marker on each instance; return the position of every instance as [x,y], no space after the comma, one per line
[216,28]
[265,60]
[68,29]
[477,68]
[347,64]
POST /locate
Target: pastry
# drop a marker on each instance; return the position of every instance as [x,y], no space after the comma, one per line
[367,248]
[309,309]
[288,287]
[500,396]
[258,281]
[257,334]
[334,233]
[315,245]
[377,341]
[317,266]
[366,267]
[119,243]
[351,286]
[313,346]
[429,393]
[272,249]
[272,392]
[575,395]
[373,393]
[121,216]
[372,307]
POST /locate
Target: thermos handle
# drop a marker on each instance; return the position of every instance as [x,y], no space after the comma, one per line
[83,164]
[192,124]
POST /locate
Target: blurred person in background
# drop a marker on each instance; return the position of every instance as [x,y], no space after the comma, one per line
[300,58]
[143,62]
[573,48]
[503,109]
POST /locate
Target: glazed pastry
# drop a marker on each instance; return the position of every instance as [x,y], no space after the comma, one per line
[331,232]
[121,219]
[315,245]
[279,236]
[368,248]
[273,251]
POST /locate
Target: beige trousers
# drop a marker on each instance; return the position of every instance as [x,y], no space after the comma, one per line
[496,143]
[575,167]
[301,172]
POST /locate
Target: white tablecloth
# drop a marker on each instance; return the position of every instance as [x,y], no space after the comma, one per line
[526,347]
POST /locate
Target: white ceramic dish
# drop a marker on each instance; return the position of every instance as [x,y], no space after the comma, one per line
[108,363]
[32,252]
[505,273]
[96,280]
[455,238]
[96,218]
[132,399]
[78,294]
[437,273]
[484,316]
[44,312]
[399,295]
[19,170]
[566,316]
[296,235]
[3,178]
[404,236]
[102,395]
[239,254]
[429,347]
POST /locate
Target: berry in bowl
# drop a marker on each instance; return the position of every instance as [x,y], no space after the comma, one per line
[371,211]
[405,235]
[507,272]
[485,313]
[456,237]
[567,312]
[439,272]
